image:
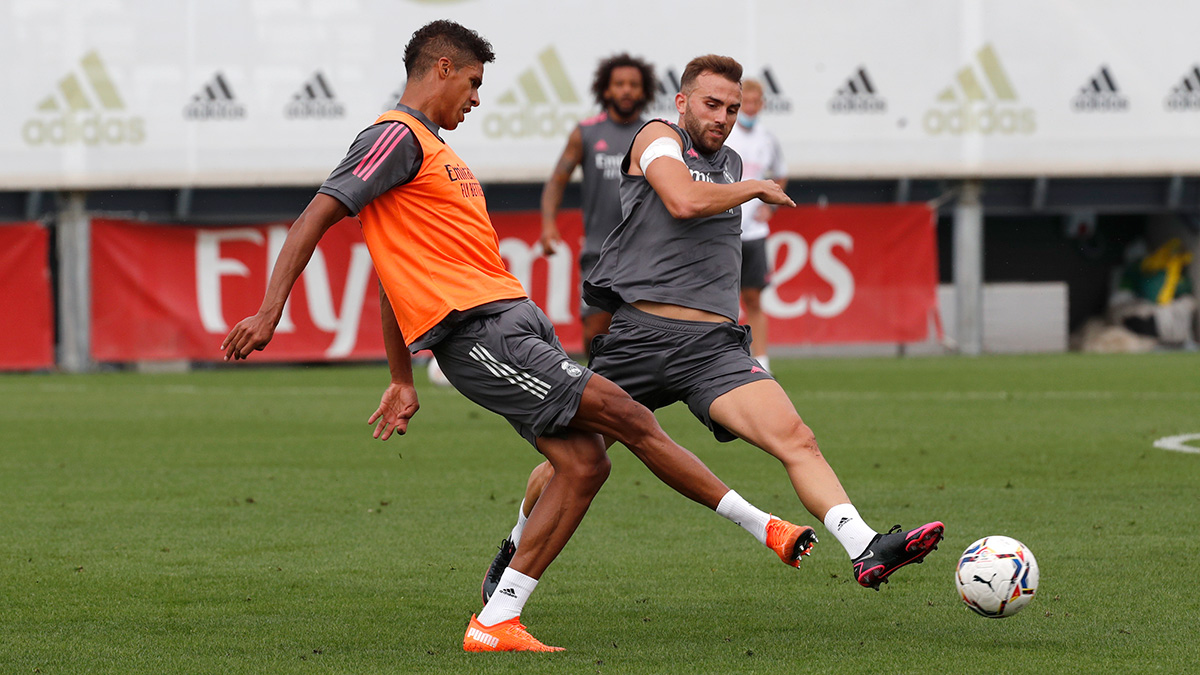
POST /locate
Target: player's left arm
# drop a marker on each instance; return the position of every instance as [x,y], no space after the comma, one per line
[399,401]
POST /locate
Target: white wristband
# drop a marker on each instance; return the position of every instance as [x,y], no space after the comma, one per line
[661,147]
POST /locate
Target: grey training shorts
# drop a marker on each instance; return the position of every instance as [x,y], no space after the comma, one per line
[756,269]
[512,364]
[660,361]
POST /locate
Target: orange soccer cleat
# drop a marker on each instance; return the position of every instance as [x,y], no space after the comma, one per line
[790,542]
[506,636]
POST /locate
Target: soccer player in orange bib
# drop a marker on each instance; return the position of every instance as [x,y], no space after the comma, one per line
[444,287]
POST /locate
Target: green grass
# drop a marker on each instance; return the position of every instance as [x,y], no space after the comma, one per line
[243,521]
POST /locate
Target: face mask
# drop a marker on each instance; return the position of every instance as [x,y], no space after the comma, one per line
[747,121]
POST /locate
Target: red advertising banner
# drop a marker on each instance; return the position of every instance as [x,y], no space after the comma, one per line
[852,274]
[162,292]
[159,292]
[26,308]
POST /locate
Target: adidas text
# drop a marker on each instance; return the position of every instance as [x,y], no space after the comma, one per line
[984,120]
[93,129]
[550,123]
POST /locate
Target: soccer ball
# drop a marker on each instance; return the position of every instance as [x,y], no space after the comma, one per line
[996,576]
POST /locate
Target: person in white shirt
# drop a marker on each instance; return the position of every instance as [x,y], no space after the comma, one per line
[762,158]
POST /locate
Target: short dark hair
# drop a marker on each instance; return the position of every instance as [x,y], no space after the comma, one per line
[441,38]
[623,60]
[724,66]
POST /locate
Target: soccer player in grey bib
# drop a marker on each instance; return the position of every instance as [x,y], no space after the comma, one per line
[623,86]
[670,275]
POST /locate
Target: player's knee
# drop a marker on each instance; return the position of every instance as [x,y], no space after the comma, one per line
[634,422]
[801,443]
[588,473]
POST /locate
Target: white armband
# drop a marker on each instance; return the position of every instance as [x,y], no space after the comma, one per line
[661,147]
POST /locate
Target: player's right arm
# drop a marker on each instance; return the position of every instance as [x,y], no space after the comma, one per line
[385,155]
[254,332]
[685,198]
[556,185]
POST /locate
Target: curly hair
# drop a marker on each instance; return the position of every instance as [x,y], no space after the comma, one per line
[441,38]
[605,70]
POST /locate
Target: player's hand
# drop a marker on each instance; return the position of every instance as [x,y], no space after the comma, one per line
[773,194]
[250,334]
[550,240]
[396,407]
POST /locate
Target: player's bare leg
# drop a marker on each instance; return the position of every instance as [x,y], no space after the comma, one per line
[761,414]
[757,320]
[581,466]
[606,409]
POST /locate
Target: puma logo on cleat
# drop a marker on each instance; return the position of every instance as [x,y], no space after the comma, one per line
[509,592]
[843,521]
[480,636]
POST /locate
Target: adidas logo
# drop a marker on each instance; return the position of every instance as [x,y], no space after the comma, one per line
[540,91]
[314,100]
[215,101]
[480,636]
[774,99]
[508,591]
[1100,94]
[86,109]
[665,88]
[985,105]
[858,95]
[1185,95]
[842,522]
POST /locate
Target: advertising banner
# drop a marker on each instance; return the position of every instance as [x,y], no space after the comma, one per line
[26,307]
[165,292]
[127,93]
[852,274]
[168,292]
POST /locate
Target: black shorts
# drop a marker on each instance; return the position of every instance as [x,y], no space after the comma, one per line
[512,364]
[756,269]
[660,361]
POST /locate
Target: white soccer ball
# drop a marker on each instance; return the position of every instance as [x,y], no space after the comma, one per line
[436,375]
[997,576]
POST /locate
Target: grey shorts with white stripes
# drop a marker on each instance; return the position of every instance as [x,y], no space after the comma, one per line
[512,364]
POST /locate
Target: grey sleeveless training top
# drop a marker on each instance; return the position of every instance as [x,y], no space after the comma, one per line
[604,144]
[653,256]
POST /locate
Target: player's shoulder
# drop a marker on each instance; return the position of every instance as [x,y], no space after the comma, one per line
[594,119]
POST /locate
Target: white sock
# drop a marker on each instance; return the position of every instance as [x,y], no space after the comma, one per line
[509,599]
[744,513]
[764,361]
[849,528]
[515,537]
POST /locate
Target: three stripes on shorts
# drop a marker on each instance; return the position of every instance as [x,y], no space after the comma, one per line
[506,372]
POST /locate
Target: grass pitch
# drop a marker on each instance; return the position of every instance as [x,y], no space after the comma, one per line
[243,521]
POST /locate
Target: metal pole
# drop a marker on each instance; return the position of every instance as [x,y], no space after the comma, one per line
[74,271]
[968,268]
